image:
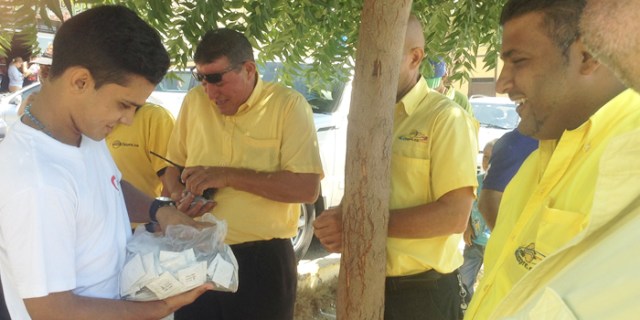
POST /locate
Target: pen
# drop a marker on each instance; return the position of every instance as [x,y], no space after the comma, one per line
[208,193]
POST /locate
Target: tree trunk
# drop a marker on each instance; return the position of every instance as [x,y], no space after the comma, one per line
[366,201]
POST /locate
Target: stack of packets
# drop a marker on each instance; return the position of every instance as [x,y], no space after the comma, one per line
[161,266]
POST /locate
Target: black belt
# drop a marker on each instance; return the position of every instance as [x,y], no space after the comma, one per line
[251,244]
[427,278]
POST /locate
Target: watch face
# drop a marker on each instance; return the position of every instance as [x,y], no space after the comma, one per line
[167,199]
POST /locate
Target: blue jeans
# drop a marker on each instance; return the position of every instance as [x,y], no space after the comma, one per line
[473,256]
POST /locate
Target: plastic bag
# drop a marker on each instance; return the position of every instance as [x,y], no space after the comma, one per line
[161,266]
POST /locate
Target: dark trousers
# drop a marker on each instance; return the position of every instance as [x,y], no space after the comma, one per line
[4,313]
[267,278]
[428,295]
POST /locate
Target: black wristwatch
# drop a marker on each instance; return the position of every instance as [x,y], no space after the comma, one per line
[158,203]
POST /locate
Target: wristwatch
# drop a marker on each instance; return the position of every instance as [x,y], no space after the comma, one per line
[158,203]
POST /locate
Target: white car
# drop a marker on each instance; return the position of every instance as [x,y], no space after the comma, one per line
[496,115]
[9,104]
[330,109]
[168,93]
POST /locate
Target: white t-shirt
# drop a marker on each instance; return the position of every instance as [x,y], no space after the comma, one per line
[15,76]
[63,221]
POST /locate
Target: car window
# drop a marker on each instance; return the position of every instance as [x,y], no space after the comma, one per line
[323,98]
[502,116]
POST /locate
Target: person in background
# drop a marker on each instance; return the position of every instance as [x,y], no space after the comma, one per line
[64,210]
[595,276]
[584,118]
[131,147]
[16,74]
[477,233]
[31,71]
[509,153]
[431,196]
[44,62]
[4,78]
[441,83]
[255,142]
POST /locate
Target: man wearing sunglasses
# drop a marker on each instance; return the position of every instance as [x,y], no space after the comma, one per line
[256,143]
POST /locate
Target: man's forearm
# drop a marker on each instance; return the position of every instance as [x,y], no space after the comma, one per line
[488,205]
[283,186]
[137,203]
[66,305]
[447,215]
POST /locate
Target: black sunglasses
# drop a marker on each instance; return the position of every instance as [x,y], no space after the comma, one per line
[211,78]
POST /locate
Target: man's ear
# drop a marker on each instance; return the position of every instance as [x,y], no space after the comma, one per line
[251,67]
[417,55]
[80,79]
[588,64]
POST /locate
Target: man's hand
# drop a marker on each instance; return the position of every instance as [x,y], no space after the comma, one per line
[198,179]
[178,301]
[171,216]
[328,229]
[192,205]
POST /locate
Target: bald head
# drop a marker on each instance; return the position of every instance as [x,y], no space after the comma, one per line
[414,38]
[411,57]
[609,29]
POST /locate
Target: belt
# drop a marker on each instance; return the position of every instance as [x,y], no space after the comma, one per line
[256,243]
[423,279]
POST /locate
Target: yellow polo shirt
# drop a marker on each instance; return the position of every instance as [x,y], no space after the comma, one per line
[130,146]
[594,276]
[272,131]
[434,151]
[547,203]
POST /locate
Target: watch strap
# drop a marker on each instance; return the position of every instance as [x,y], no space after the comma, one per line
[157,204]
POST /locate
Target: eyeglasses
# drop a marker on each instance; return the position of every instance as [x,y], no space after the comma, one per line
[211,78]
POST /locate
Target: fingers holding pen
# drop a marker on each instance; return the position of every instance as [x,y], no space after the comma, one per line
[198,179]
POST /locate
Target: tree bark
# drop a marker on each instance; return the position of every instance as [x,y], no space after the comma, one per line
[366,202]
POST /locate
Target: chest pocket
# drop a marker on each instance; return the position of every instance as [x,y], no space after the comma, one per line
[410,172]
[556,228]
[258,154]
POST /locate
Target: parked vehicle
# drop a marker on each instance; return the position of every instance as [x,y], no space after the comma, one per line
[169,93]
[330,109]
[9,104]
[496,115]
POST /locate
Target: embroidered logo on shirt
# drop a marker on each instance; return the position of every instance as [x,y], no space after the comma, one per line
[415,136]
[528,256]
[113,182]
[117,144]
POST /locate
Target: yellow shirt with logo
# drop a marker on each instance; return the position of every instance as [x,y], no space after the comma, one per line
[272,131]
[549,200]
[434,151]
[130,147]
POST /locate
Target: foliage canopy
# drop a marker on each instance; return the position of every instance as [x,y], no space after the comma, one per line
[323,32]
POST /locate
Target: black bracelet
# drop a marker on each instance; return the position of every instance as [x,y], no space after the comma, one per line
[158,203]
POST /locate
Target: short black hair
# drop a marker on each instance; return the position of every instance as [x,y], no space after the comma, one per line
[113,43]
[223,43]
[561,18]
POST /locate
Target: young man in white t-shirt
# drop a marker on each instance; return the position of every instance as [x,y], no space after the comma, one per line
[64,210]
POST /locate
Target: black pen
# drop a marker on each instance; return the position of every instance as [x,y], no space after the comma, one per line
[208,193]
